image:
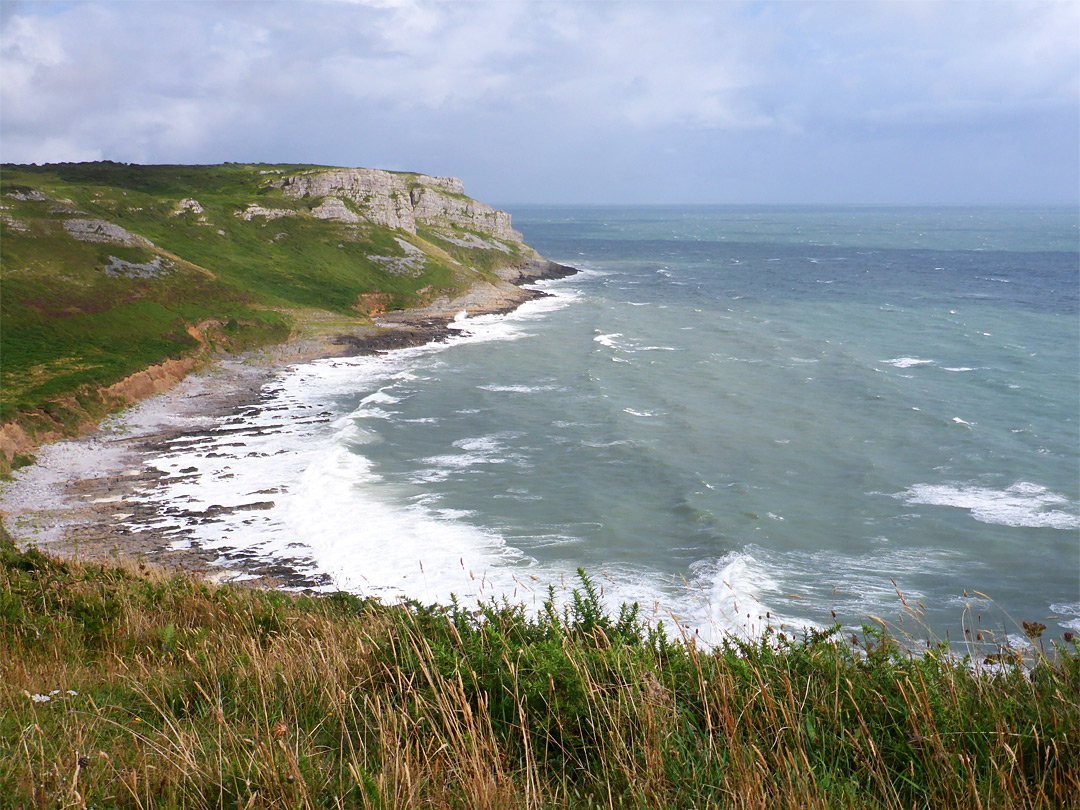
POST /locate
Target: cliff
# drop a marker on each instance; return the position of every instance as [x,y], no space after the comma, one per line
[397,201]
[111,271]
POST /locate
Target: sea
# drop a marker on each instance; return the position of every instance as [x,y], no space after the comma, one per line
[736,417]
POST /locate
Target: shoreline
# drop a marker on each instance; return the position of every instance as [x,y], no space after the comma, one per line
[73,500]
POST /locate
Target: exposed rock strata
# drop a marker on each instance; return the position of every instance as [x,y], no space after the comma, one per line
[255,210]
[98,230]
[411,264]
[155,268]
[484,298]
[65,207]
[335,209]
[14,224]
[471,240]
[433,208]
[399,201]
[535,269]
[32,195]
[382,196]
[187,204]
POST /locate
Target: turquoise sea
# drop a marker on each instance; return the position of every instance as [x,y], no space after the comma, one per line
[734,416]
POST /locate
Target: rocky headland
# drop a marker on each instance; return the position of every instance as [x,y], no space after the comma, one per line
[178,265]
[229,258]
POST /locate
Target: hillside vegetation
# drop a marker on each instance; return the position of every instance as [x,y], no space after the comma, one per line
[128,688]
[110,268]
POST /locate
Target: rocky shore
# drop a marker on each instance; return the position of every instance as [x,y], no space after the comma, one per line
[83,496]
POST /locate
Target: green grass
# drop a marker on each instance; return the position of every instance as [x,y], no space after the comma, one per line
[188,695]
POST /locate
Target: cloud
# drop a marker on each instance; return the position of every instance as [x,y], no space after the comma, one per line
[654,65]
[568,86]
[639,66]
[940,60]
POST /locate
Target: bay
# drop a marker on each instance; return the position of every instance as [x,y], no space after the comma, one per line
[734,416]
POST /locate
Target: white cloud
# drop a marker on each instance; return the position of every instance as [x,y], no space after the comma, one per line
[407,81]
[944,60]
[659,65]
[29,49]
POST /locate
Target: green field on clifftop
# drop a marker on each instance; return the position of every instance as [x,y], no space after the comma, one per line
[79,315]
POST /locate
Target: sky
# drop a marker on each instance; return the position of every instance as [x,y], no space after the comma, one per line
[936,102]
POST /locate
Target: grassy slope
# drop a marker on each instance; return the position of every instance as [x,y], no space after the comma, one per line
[188,695]
[68,328]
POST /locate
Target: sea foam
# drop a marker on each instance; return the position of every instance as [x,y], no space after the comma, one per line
[1022,504]
[908,362]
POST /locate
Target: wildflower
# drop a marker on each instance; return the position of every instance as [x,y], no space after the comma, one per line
[41,698]
[1033,629]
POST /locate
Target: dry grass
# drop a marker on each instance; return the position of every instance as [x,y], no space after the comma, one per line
[189,696]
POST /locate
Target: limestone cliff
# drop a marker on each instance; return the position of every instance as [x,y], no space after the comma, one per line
[397,201]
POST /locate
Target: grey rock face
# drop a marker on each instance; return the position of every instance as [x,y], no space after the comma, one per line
[411,264]
[335,209]
[187,204]
[33,194]
[155,268]
[451,184]
[98,230]
[14,224]
[398,201]
[471,240]
[433,208]
[255,210]
[382,196]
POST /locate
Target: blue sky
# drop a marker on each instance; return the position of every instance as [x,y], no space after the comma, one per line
[596,102]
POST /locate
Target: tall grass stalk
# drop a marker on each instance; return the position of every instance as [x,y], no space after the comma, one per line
[124,687]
